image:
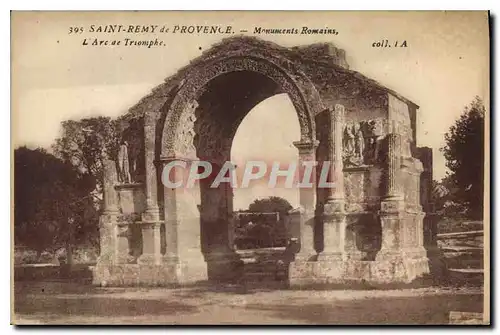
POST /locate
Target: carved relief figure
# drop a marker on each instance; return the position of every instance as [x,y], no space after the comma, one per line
[123,163]
[375,134]
[353,139]
[370,151]
[348,139]
[362,142]
[359,141]
[186,134]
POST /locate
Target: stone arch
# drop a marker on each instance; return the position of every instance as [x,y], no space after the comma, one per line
[299,88]
[197,241]
[193,107]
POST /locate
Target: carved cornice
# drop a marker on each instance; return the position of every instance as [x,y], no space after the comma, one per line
[306,146]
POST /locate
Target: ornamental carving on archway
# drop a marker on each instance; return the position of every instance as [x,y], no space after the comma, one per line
[174,130]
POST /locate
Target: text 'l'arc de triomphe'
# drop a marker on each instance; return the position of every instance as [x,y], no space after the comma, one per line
[375,226]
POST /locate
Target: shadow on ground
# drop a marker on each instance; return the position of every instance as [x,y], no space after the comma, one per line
[58,302]
[377,311]
[46,301]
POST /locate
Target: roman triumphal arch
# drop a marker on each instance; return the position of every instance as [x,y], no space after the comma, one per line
[375,225]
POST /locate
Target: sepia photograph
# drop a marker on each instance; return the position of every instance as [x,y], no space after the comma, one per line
[250,168]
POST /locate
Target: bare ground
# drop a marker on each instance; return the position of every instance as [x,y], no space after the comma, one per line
[74,303]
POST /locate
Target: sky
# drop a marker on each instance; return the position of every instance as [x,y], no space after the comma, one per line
[55,77]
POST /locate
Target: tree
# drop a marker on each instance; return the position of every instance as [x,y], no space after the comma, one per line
[444,199]
[270,205]
[84,144]
[87,142]
[464,153]
[265,229]
[51,201]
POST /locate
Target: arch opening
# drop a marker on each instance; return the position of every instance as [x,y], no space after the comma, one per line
[219,110]
[222,106]
[261,209]
[276,121]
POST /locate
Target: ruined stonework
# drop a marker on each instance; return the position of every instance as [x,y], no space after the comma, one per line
[369,228]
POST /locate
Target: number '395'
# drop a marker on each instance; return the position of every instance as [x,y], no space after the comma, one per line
[75,30]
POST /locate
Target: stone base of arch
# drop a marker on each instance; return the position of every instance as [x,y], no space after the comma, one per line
[398,262]
[395,270]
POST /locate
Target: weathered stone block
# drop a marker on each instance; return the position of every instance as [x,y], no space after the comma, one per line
[131,198]
[148,275]
[398,269]
[393,206]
